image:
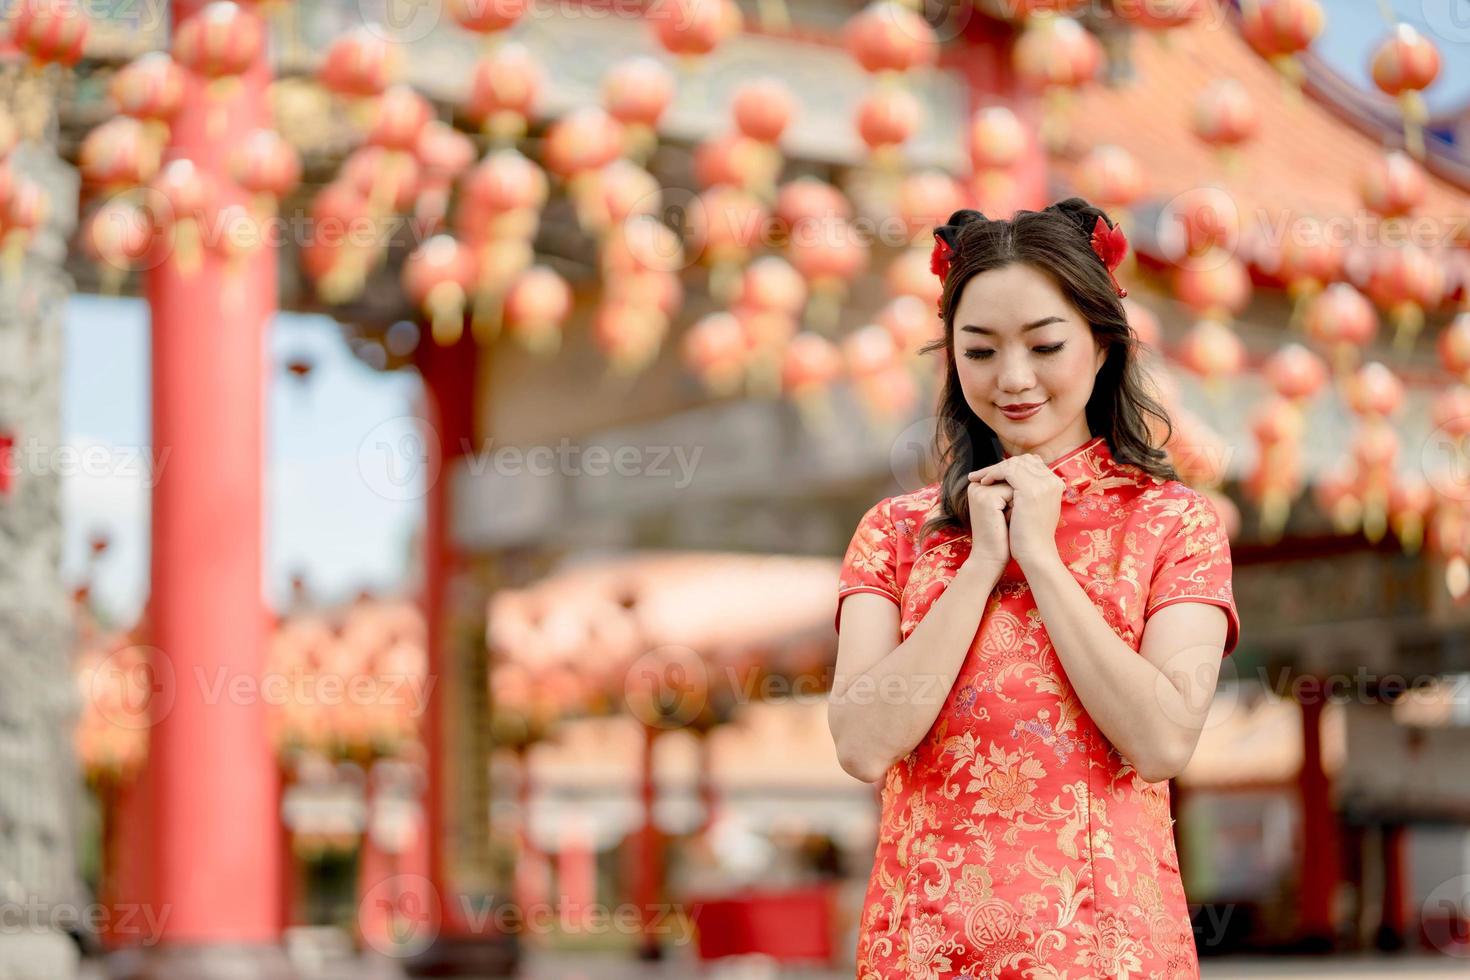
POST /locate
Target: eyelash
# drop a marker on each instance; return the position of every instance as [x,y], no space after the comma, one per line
[977,355]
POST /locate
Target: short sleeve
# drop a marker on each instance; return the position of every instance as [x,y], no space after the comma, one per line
[1193,565]
[871,562]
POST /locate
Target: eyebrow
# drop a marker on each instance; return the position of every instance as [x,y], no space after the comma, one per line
[1044,321]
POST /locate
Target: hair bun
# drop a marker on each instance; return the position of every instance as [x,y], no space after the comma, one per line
[950,230]
[1081,213]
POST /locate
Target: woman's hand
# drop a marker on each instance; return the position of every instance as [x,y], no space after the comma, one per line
[989,537]
[1036,505]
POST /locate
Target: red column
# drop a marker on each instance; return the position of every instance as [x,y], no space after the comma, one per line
[1393,929]
[1319,869]
[647,855]
[449,400]
[213,777]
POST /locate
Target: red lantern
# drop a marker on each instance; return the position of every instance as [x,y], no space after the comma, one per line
[737,161]
[809,366]
[830,253]
[117,236]
[584,140]
[763,108]
[50,32]
[437,276]
[335,257]
[808,200]
[150,88]
[691,28]
[486,17]
[399,118]
[997,138]
[503,91]
[887,36]
[266,166]
[1225,117]
[1295,372]
[927,199]
[536,307]
[1410,503]
[910,323]
[1403,66]
[1110,177]
[909,275]
[1212,350]
[185,195]
[714,351]
[1216,287]
[1374,391]
[770,283]
[1454,347]
[628,335]
[886,119]
[1393,185]
[1406,280]
[503,193]
[1280,30]
[637,92]
[1308,260]
[387,179]
[118,154]
[222,40]
[1450,411]
[361,63]
[1344,319]
[1056,53]
[725,226]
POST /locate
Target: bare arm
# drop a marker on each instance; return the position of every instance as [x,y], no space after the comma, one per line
[1151,707]
[886,694]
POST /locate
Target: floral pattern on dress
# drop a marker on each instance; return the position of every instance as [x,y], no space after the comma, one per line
[1014,840]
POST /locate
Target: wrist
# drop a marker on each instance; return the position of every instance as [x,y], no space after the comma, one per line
[983,566]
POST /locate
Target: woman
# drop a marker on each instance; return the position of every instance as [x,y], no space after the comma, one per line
[1027,648]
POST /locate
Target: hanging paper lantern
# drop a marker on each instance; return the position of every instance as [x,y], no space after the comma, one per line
[443,154]
[628,335]
[809,367]
[267,167]
[117,237]
[1406,280]
[649,289]
[504,88]
[1453,347]
[762,109]
[1410,504]
[1375,448]
[714,351]
[737,161]
[640,244]
[885,388]
[49,32]
[1197,225]
[186,195]
[1212,350]
[486,17]
[909,275]
[1225,117]
[1110,177]
[1055,55]
[501,196]
[1393,185]
[1374,391]
[1344,320]
[498,264]
[150,88]
[335,257]
[1280,30]
[1277,426]
[387,179]
[361,63]
[119,154]
[770,283]
[1307,262]
[627,189]
[399,118]
[725,226]
[886,119]
[577,146]
[997,138]
[1295,373]
[219,42]
[536,308]
[1216,288]
[1158,15]
[693,28]
[1403,66]
[437,276]
[910,322]
[830,254]
[802,205]
[637,92]
[926,199]
[889,37]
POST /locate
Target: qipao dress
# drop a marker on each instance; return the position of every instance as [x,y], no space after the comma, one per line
[1014,840]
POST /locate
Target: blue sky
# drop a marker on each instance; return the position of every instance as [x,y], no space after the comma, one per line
[1355,28]
[324,514]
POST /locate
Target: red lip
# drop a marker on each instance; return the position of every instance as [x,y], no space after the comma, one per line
[1020,408]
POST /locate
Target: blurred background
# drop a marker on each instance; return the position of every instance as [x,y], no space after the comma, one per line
[429,431]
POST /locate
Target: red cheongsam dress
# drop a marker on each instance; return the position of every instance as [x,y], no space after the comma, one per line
[1015,841]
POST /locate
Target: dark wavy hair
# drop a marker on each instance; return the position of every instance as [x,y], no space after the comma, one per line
[1057,241]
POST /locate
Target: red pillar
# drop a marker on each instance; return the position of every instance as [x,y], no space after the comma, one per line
[647,853]
[213,778]
[1319,869]
[1393,928]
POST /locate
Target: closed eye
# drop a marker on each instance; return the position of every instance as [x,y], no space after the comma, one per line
[980,353]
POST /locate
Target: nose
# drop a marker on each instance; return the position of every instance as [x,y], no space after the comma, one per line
[1015,375]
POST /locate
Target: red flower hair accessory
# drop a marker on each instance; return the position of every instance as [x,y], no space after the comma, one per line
[939,258]
[1111,245]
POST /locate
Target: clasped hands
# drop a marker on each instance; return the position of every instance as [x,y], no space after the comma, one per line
[1015,506]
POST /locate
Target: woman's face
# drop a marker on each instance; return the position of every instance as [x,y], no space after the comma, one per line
[1019,341]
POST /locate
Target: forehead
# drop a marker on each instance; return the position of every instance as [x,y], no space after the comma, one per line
[1010,295]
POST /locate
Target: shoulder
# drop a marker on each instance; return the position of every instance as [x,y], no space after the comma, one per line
[900,517]
[1174,499]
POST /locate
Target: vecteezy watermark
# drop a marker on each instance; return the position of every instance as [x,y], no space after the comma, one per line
[134,922]
[407,21]
[32,458]
[146,16]
[1444,459]
[401,459]
[402,915]
[1445,915]
[1448,20]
